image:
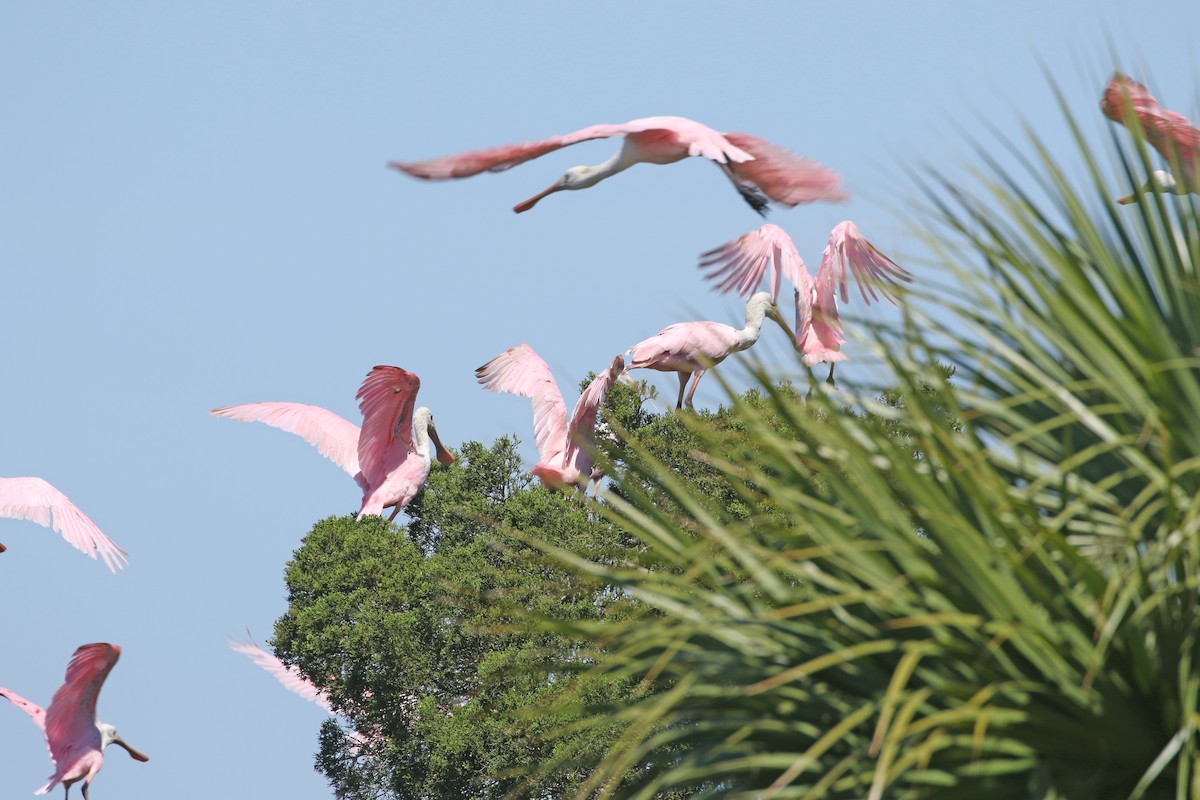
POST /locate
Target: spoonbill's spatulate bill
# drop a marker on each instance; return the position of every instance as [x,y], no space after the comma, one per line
[739,266]
[37,501]
[1173,135]
[389,457]
[691,348]
[759,170]
[74,734]
[565,449]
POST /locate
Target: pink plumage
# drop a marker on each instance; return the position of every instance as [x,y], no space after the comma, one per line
[389,457]
[36,500]
[75,736]
[288,676]
[759,170]
[691,348]
[740,265]
[564,449]
[1173,135]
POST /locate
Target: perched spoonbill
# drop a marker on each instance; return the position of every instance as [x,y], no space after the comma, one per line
[74,734]
[37,501]
[1171,134]
[739,266]
[389,457]
[759,170]
[691,348]
[566,450]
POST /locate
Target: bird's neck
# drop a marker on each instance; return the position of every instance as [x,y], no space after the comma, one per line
[749,334]
[598,172]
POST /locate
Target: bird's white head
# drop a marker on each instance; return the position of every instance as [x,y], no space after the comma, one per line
[109,735]
[761,306]
[1162,179]
[423,423]
[574,178]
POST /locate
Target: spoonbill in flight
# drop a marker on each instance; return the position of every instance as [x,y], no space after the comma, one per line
[565,449]
[389,457]
[739,266]
[691,348]
[1171,134]
[37,501]
[759,170]
[75,736]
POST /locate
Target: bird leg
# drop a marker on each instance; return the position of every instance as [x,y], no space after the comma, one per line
[696,376]
[830,380]
[683,379]
[395,511]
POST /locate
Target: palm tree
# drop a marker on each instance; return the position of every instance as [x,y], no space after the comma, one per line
[987,590]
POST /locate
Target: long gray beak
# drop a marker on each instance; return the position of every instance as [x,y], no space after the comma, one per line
[443,455]
[137,755]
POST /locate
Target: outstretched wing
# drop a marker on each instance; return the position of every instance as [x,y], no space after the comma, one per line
[783,176]
[334,437]
[386,398]
[1171,134]
[288,676]
[581,434]
[71,717]
[35,712]
[498,159]
[521,371]
[739,265]
[849,253]
[37,501]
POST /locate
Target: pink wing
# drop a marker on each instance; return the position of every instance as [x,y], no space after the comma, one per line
[782,175]
[739,265]
[35,500]
[35,712]
[498,159]
[386,398]
[871,269]
[334,437]
[288,676]
[583,418]
[521,371]
[71,718]
[1171,134]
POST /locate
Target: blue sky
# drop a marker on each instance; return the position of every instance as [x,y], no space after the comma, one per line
[194,212]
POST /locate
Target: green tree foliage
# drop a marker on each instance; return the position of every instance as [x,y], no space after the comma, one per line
[999,607]
[422,636]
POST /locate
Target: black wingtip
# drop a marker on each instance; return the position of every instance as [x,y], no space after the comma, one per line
[757,200]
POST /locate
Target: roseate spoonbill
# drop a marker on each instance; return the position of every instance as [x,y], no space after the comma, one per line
[75,736]
[1171,134]
[759,170]
[691,348]
[37,501]
[739,266]
[565,449]
[389,457]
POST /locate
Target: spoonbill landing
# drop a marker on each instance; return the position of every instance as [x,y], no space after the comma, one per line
[565,449]
[37,501]
[75,736]
[739,266]
[389,457]
[759,170]
[691,348]
[1171,134]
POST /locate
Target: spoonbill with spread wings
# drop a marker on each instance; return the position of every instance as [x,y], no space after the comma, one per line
[565,448]
[759,170]
[75,736]
[389,457]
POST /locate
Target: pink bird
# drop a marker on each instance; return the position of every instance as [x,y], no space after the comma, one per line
[565,449]
[739,266]
[691,348]
[74,734]
[37,501]
[1172,135]
[759,170]
[389,457]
